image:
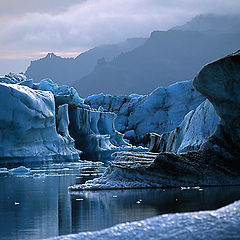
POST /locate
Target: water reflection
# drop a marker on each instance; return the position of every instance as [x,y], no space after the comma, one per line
[107,208]
[40,207]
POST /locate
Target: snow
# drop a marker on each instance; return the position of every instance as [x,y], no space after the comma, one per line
[220,224]
[160,112]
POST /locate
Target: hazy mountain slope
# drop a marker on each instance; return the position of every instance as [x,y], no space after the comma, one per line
[211,22]
[165,58]
[67,70]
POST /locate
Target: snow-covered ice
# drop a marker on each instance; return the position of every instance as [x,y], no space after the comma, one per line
[220,224]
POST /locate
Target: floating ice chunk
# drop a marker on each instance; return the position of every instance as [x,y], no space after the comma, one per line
[3,169]
[161,111]
[20,170]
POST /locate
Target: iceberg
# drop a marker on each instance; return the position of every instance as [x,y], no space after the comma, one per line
[28,127]
[216,163]
[95,134]
[160,112]
[43,119]
[197,126]
[20,170]
[220,224]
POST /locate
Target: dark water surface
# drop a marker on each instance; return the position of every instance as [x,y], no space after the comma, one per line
[38,205]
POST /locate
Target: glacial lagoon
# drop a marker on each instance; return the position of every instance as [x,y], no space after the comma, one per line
[38,204]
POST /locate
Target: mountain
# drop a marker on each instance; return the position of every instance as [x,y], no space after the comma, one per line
[67,70]
[142,65]
[165,58]
[211,22]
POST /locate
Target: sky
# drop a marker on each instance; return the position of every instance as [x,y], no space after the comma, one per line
[32,28]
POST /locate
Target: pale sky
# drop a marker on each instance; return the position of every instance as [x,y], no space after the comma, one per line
[31,28]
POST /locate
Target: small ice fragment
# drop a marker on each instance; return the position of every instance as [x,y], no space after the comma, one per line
[114,196]
[16,203]
[20,170]
[195,188]
[79,199]
[138,202]
[39,175]
[3,169]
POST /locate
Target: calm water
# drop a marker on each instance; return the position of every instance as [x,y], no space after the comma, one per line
[38,205]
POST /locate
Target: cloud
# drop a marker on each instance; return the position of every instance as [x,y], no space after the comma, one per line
[16,8]
[77,25]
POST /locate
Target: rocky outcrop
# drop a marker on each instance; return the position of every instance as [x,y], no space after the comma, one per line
[217,161]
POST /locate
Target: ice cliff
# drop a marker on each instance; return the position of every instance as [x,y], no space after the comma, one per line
[217,161]
[36,118]
[28,126]
[95,134]
[160,112]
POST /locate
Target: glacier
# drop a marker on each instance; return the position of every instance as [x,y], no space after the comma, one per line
[220,224]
